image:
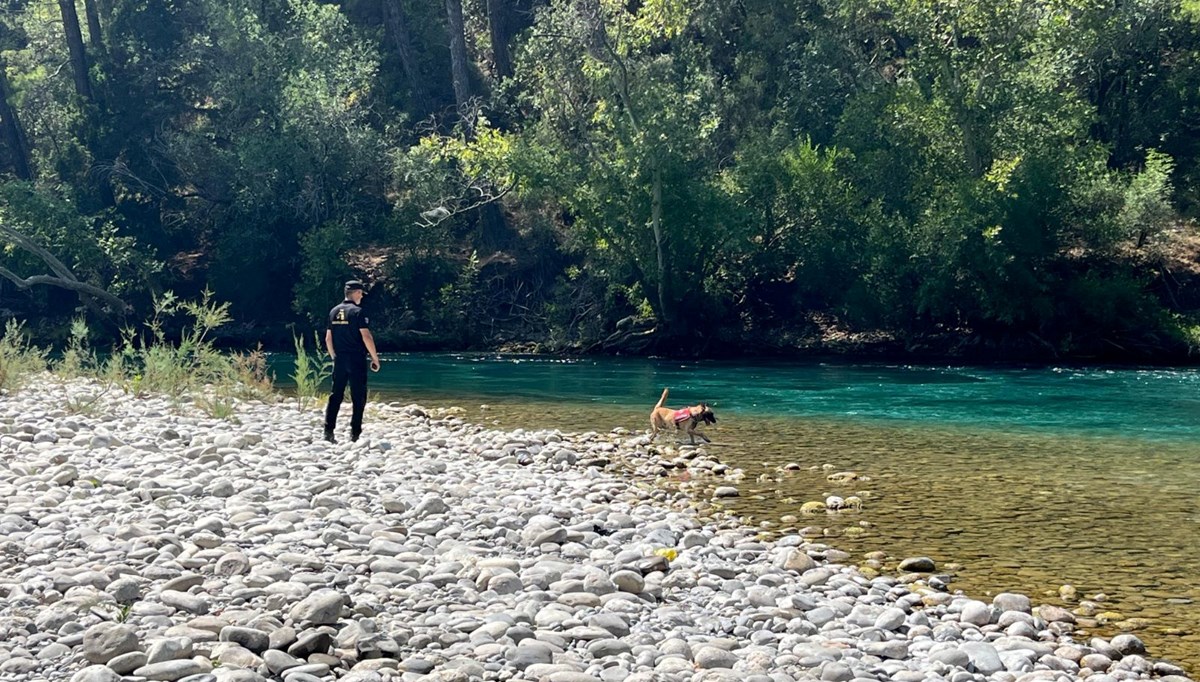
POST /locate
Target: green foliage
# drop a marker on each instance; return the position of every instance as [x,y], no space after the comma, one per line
[310,372]
[78,360]
[156,362]
[462,308]
[723,172]
[323,270]
[19,359]
[1147,208]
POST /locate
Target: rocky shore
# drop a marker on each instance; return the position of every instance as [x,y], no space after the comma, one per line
[142,540]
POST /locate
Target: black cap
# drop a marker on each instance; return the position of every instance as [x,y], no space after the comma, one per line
[355,285]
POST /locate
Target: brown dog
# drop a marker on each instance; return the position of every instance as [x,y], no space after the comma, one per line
[685,419]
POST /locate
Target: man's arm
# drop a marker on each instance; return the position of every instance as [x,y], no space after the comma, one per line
[369,341]
[329,343]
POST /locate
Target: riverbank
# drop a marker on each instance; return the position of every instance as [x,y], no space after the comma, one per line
[147,539]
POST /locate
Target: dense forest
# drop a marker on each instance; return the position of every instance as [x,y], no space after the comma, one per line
[663,176]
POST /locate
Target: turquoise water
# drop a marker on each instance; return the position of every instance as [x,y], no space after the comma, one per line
[1156,404]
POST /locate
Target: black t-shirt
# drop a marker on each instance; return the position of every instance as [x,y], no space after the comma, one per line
[345,321]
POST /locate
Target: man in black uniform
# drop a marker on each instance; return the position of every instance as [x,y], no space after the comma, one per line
[348,340]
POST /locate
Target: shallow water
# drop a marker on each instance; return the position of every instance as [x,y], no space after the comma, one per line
[1015,479]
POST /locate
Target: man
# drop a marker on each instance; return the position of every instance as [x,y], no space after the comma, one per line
[348,340]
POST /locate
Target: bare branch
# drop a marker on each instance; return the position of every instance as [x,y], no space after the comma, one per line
[62,277]
[73,285]
[440,214]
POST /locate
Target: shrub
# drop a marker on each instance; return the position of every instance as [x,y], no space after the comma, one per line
[18,359]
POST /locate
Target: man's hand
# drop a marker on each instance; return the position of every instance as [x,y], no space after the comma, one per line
[375,364]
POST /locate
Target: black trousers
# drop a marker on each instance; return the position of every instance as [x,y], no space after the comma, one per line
[353,372]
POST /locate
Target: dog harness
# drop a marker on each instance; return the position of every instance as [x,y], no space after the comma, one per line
[682,415]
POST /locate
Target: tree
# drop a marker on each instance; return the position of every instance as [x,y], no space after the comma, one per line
[397,25]
[458,59]
[74,37]
[500,26]
[95,37]
[627,134]
[14,135]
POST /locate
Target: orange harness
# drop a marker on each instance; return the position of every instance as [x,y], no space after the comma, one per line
[682,415]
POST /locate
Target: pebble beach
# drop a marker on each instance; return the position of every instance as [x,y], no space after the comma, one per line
[141,539]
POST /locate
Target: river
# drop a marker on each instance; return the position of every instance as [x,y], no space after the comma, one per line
[1024,479]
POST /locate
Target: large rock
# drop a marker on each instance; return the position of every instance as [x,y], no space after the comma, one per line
[918,564]
[797,560]
[984,657]
[169,671]
[1055,614]
[105,641]
[708,657]
[1128,645]
[248,638]
[975,613]
[1011,601]
[323,607]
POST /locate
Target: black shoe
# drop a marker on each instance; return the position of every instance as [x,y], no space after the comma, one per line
[329,436]
[354,437]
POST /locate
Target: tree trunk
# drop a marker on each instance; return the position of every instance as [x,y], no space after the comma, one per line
[500,24]
[396,24]
[93,21]
[79,67]
[666,308]
[13,135]
[458,55]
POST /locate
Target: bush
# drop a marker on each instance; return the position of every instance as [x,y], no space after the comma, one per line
[310,371]
[18,359]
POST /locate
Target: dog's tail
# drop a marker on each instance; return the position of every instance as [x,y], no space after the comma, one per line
[663,399]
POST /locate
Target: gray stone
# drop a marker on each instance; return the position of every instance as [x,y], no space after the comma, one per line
[96,673]
[890,619]
[311,642]
[951,657]
[1011,601]
[127,663]
[233,563]
[918,564]
[1097,662]
[1055,614]
[836,672]
[168,649]
[797,560]
[105,641]
[529,652]
[170,671]
[249,638]
[983,657]
[629,581]
[278,661]
[1127,644]
[323,607]
[124,590]
[976,613]
[707,657]
[890,649]
[184,601]
[601,648]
